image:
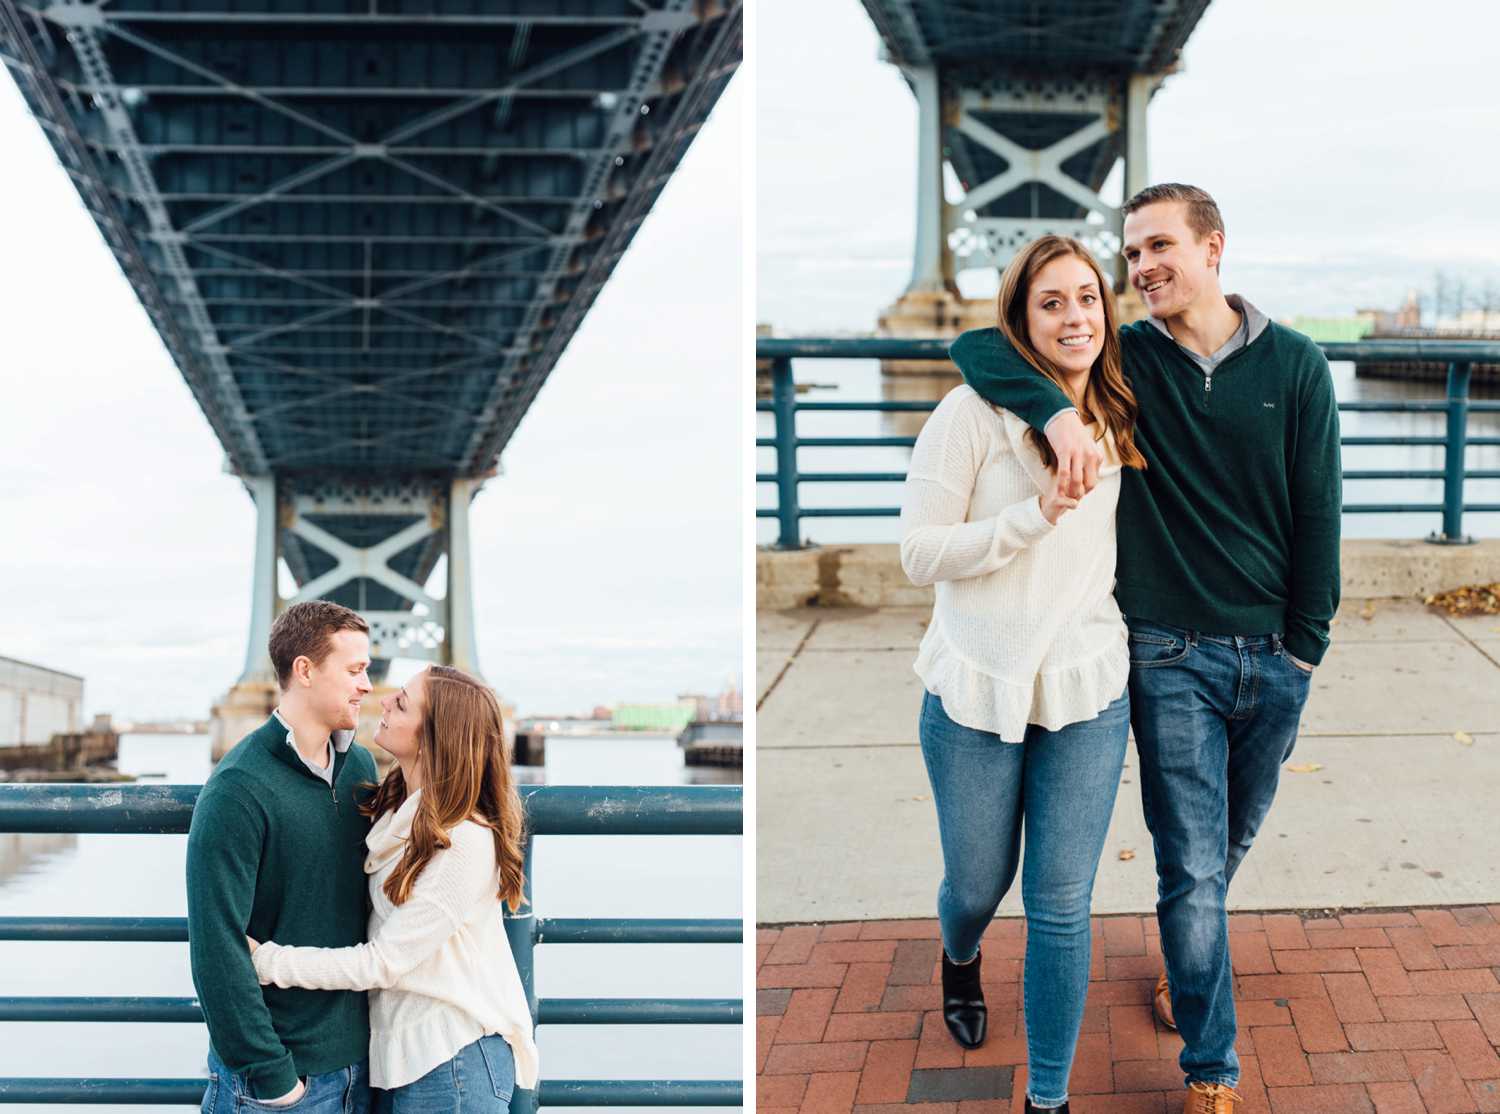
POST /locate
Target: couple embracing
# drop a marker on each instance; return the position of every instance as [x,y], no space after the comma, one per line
[298,905]
[1127,526]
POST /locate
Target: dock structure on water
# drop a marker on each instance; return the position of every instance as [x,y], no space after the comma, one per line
[1431,370]
[713,743]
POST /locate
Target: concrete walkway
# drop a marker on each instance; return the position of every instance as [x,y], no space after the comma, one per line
[1403,724]
[1368,1013]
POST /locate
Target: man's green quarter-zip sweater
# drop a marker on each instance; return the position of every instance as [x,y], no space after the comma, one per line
[1233,527]
[274,854]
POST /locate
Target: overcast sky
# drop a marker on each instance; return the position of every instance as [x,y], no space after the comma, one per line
[607,556]
[1349,144]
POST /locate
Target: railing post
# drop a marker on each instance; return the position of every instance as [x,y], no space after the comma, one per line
[784,406]
[1453,458]
[520,929]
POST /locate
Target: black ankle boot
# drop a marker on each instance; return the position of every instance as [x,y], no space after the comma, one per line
[963,1002]
[1063,1109]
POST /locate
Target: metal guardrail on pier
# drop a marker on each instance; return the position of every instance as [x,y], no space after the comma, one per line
[551,811]
[1460,356]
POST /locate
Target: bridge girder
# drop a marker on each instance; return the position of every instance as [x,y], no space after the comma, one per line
[366,233]
[1030,108]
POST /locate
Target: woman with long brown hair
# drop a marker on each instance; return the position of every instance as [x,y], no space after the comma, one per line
[450,1028]
[1024,719]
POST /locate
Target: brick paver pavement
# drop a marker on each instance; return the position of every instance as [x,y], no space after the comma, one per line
[1387,1012]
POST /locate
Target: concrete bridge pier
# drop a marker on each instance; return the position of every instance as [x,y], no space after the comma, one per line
[369,546]
[1030,154]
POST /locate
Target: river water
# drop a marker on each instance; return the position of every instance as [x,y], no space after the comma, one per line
[572,876]
[861,380]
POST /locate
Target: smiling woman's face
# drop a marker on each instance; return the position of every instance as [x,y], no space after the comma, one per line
[1065,314]
[401,718]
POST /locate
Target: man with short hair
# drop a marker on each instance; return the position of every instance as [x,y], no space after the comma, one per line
[1227,574]
[276,852]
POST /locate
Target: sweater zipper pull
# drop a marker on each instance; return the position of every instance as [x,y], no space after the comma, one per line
[1208,381]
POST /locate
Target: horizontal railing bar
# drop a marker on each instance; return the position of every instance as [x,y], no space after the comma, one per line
[111,929]
[551,809]
[638,930]
[632,1092]
[894,348]
[552,1092]
[837,477]
[550,1011]
[879,407]
[176,1010]
[1393,441]
[1349,474]
[1348,508]
[855,442]
[581,930]
[1436,406]
[640,1011]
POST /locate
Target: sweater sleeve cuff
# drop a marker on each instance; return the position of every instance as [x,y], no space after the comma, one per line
[1305,646]
[1060,413]
[261,958]
[1033,523]
[270,1079]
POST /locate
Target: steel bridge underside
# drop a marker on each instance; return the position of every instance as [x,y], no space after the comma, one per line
[367,229]
[1035,75]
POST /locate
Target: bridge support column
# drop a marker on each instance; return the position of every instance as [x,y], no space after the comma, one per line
[263,593]
[370,547]
[931,305]
[463,651]
[932,265]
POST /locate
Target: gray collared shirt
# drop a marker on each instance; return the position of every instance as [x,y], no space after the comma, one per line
[340,739]
[1252,324]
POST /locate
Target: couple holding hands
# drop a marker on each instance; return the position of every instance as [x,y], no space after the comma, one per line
[1127,526]
[376,953]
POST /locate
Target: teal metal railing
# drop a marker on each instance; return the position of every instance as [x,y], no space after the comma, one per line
[551,811]
[1460,356]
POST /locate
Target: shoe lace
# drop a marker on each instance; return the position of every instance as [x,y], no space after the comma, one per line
[1212,1098]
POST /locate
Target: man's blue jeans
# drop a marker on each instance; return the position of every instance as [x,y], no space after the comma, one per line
[346,1091]
[1215,716]
[1060,786]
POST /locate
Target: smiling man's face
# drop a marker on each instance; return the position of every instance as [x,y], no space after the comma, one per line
[1170,265]
[336,686]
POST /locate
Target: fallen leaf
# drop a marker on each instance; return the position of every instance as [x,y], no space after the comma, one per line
[1367,612]
[1305,768]
[1464,737]
[1126,855]
[1473,599]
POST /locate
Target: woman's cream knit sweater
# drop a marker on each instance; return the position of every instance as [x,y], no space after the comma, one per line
[438,966]
[1025,628]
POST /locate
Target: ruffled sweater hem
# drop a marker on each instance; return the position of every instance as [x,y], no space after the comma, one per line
[1051,699]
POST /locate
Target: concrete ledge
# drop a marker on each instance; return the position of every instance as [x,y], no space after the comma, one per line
[871,576]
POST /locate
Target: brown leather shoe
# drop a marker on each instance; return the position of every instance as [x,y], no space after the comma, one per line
[1161,1003]
[1210,1098]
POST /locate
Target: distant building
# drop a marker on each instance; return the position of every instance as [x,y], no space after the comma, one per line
[704,707]
[1327,330]
[654,717]
[37,703]
[731,702]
